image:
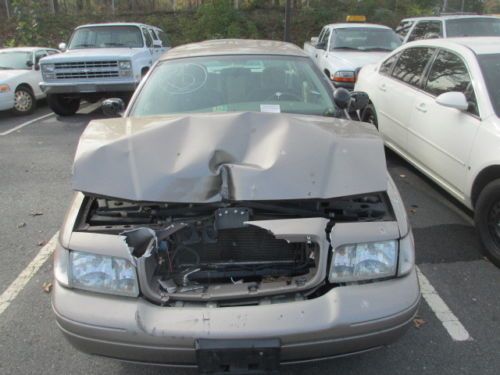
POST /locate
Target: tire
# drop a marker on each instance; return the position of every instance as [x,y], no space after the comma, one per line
[370,115]
[487,219]
[63,105]
[25,101]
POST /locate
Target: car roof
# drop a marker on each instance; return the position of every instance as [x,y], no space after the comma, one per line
[479,45]
[25,49]
[354,25]
[116,24]
[448,17]
[234,47]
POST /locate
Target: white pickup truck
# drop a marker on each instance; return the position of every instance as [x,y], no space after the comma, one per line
[101,60]
[342,49]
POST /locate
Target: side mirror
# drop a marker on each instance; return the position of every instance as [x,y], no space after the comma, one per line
[62,47]
[321,45]
[157,44]
[453,99]
[342,98]
[113,107]
[314,40]
[358,100]
[29,64]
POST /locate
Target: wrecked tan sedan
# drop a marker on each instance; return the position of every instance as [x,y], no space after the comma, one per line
[231,221]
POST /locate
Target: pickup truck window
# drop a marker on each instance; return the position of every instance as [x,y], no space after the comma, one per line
[403,28]
[233,84]
[106,37]
[323,42]
[473,27]
[164,39]
[426,30]
[147,38]
[411,65]
[490,66]
[364,39]
[15,60]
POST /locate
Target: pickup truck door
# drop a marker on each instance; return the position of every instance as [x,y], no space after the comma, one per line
[158,48]
[148,41]
[441,138]
[321,53]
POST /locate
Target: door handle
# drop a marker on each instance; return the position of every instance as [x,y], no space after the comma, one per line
[316,55]
[421,108]
[382,87]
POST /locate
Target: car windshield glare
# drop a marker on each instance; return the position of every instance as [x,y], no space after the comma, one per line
[107,37]
[490,66]
[365,39]
[15,60]
[473,27]
[236,83]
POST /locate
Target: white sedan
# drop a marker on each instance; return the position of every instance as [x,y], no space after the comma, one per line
[20,77]
[437,104]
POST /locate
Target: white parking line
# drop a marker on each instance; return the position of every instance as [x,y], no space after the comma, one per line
[25,276]
[450,322]
[26,124]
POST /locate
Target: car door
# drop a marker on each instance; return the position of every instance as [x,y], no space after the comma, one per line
[440,138]
[157,45]
[322,50]
[148,40]
[426,30]
[398,89]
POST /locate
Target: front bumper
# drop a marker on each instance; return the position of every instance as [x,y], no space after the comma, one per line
[87,87]
[345,320]
[6,101]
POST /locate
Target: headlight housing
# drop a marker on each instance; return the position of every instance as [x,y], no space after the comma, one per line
[4,88]
[344,76]
[125,65]
[364,261]
[102,274]
[49,68]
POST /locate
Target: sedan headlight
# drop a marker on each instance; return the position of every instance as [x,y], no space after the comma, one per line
[102,274]
[49,68]
[4,88]
[344,76]
[125,65]
[364,261]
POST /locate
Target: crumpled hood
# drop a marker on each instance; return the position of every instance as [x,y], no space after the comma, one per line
[92,54]
[232,156]
[7,74]
[353,60]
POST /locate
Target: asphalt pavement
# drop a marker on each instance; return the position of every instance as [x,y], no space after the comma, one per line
[36,153]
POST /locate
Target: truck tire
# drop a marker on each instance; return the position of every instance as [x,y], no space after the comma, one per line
[25,102]
[487,219]
[63,105]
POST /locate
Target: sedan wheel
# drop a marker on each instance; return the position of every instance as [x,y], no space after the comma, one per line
[487,218]
[24,102]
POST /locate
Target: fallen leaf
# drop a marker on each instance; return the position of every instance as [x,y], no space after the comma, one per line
[402,175]
[37,213]
[21,225]
[419,322]
[41,243]
[47,286]
[412,210]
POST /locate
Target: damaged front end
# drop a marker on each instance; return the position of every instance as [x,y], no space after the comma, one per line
[226,253]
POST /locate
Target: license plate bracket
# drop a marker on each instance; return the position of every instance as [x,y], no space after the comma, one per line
[238,356]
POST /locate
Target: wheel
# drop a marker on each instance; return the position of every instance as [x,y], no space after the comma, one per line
[487,218]
[24,101]
[63,105]
[370,115]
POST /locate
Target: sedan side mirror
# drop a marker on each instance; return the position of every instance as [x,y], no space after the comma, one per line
[359,100]
[62,47]
[29,64]
[113,107]
[453,99]
[342,98]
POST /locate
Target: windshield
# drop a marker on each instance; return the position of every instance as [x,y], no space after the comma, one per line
[235,84]
[364,39]
[107,37]
[490,66]
[15,60]
[473,27]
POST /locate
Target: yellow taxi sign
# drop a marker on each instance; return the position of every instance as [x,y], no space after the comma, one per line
[356,18]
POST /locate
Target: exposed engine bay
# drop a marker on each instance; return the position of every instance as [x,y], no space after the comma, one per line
[229,250]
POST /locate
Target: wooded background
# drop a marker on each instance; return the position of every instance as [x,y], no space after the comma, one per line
[48,22]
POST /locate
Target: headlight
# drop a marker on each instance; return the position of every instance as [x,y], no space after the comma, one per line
[364,261]
[125,65]
[103,274]
[48,68]
[4,88]
[47,76]
[344,76]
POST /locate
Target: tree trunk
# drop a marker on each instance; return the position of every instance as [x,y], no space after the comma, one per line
[7,10]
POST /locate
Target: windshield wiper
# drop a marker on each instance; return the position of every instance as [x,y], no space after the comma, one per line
[6,68]
[84,45]
[115,44]
[348,48]
[378,49]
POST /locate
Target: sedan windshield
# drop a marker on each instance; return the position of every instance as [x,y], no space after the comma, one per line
[473,27]
[235,84]
[107,37]
[490,65]
[364,39]
[15,60]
